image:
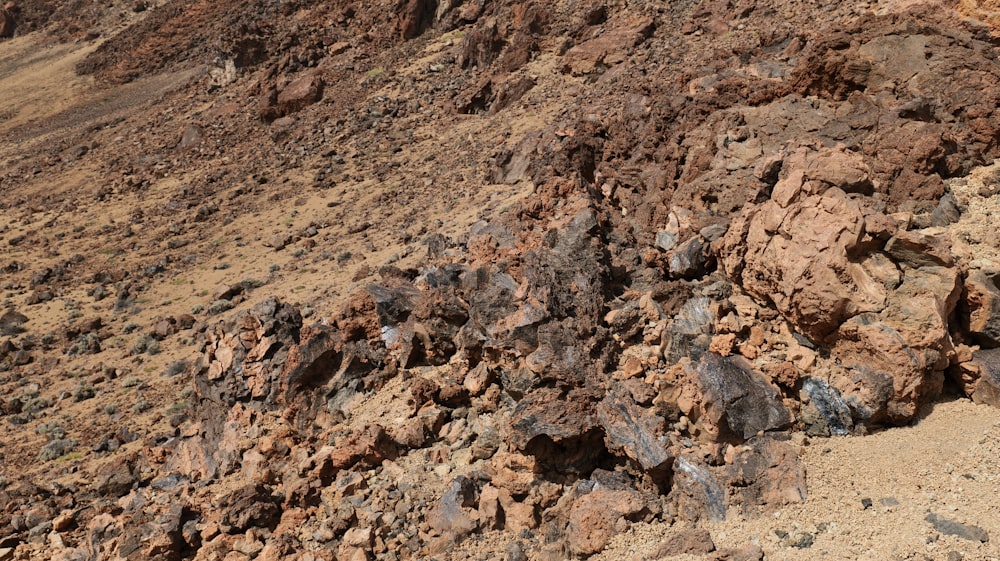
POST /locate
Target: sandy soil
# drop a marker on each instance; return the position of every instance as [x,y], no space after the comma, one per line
[947,464]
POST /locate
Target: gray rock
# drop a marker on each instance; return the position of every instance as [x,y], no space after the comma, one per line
[636,432]
[986,388]
[738,399]
[947,211]
[12,322]
[665,240]
[952,528]
[688,260]
[698,491]
[515,552]
[452,514]
[688,335]
[828,401]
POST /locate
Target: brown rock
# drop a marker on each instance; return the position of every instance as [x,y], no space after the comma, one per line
[252,505]
[190,138]
[747,553]
[986,387]
[490,514]
[920,248]
[765,476]
[908,342]
[478,379]
[301,93]
[610,47]
[518,516]
[596,517]
[164,327]
[982,299]
[63,522]
[797,257]
[808,171]
[8,23]
[410,434]
[414,16]
[516,473]
[369,446]
[685,541]
[453,514]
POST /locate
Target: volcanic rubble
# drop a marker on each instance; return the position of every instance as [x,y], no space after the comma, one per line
[736,223]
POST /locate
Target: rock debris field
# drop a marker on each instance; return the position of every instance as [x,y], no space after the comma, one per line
[484,279]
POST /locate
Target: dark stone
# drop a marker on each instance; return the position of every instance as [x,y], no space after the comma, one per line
[919,249]
[831,406]
[952,528]
[737,398]
[561,430]
[12,323]
[452,514]
[987,387]
[982,306]
[247,507]
[637,433]
[688,260]
[697,492]
[946,212]
[689,334]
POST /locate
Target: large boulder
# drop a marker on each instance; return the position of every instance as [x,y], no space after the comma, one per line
[851,278]
[798,251]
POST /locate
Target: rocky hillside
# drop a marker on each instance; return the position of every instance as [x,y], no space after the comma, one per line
[414,279]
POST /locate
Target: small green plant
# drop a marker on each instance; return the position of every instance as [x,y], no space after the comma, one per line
[132,382]
[83,392]
[142,344]
[52,430]
[219,306]
[56,449]
[175,368]
[251,283]
[375,72]
[178,407]
[141,405]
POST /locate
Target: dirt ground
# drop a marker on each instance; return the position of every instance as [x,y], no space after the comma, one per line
[946,464]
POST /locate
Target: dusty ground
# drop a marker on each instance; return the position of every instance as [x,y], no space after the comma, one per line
[141,195]
[946,464]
